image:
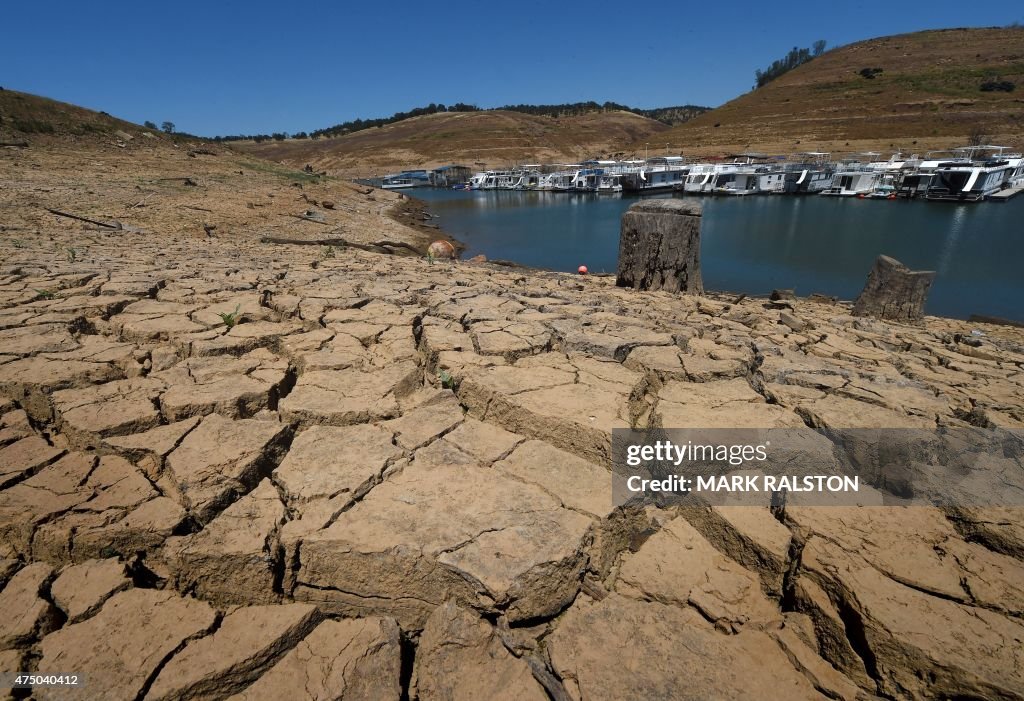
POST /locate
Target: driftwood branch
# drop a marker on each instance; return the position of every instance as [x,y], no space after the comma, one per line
[187,181]
[315,221]
[340,242]
[105,225]
[201,209]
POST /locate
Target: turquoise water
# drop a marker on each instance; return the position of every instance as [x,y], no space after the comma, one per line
[756,244]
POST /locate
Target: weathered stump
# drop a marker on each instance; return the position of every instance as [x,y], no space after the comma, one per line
[894,292]
[659,247]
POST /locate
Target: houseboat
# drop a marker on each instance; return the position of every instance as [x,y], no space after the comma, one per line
[405,179]
[917,173]
[394,182]
[1016,178]
[740,176]
[586,179]
[559,181]
[772,181]
[885,186]
[699,179]
[982,172]
[743,180]
[477,181]
[609,183]
[809,174]
[852,179]
[494,180]
[656,174]
[529,178]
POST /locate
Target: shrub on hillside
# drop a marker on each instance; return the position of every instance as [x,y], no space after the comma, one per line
[998,86]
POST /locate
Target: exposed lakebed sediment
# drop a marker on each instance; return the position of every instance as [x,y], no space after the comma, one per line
[388,477]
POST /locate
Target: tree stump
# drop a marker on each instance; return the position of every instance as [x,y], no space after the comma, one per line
[659,247]
[894,292]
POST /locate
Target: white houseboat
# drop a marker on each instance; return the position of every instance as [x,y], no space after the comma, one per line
[656,174]
[854,179]
[701,178]
[529,178]
[809,174]
[397,183]
[494,180]
[610,183]
[975,177]
[559,181]
[739,181]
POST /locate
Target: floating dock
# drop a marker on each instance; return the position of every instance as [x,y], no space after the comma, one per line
[1006,194]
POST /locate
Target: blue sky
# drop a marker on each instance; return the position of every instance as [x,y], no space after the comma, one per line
[257,67]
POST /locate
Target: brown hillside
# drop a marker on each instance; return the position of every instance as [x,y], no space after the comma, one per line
[39,119]
[928,95]
[71,169]
[491,138]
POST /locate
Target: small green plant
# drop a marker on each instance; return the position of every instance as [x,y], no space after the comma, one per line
[446,379]
[71,253]
[18,243]
[45,294]
[230,318]
[327,252]
[430,257]
[32,126]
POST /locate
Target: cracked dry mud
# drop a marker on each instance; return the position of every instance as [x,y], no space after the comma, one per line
[391,479]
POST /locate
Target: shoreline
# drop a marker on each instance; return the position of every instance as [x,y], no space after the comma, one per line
[975,317]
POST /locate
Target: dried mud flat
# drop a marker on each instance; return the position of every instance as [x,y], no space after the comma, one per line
[390,479]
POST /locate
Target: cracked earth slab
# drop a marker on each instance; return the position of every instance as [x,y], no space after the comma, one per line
[427,447]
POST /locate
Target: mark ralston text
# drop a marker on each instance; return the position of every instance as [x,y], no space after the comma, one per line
[745,483]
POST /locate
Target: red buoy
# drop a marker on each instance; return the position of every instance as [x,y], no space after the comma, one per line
[583,270]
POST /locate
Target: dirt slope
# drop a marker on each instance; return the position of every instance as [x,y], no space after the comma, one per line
[56,156]
[24,116]
[928,95]
[492,138]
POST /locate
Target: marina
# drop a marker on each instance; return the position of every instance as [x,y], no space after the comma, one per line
[756,244]
[964,174]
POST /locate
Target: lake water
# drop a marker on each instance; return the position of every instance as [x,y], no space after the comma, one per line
[758,243]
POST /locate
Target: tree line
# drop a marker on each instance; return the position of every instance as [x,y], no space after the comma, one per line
[668,115]
[353,125]
[795,57]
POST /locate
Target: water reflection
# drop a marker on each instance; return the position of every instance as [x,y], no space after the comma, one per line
[755,244]
[956,225]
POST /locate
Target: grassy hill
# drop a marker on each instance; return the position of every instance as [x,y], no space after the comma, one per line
[928,94]
[486,138]
[30,117]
